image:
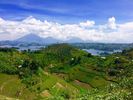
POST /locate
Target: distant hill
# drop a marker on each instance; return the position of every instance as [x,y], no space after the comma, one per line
[31,38]
[50,40]
[74,40]
[103,46]
[35,40]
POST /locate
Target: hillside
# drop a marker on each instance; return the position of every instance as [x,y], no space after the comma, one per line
[63,72]
[104,46]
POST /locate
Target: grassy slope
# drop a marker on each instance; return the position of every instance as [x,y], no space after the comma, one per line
[11,86]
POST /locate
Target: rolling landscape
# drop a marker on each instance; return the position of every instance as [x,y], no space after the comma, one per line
[61,71]
[66,50]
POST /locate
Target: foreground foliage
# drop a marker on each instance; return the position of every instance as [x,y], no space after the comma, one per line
[62,72]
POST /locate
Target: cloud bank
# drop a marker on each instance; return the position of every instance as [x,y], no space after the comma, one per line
[110,32]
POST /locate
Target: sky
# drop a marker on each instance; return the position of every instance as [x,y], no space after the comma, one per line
[108,21]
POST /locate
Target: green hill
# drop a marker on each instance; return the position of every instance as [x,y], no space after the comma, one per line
[63,72]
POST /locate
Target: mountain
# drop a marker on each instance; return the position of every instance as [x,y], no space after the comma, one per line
[31,38]
[50,40]
[74,40]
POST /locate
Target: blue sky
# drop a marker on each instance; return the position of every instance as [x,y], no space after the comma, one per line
[62,10]
[90,20]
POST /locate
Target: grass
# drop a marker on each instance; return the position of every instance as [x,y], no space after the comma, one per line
[56,86]
[87,75]
[6,98]
[11,86]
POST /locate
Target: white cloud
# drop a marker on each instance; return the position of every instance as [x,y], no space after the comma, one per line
[111,23]
[88,31]
[87,24]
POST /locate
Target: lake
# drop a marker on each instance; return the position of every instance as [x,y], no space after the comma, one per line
[98,52]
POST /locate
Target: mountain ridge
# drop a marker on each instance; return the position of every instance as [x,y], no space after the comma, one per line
[33,38]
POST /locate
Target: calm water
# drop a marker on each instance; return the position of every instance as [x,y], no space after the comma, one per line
[98,52]
[32,48]
[20,48]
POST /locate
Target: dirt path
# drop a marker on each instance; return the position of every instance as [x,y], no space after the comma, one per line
[84,85]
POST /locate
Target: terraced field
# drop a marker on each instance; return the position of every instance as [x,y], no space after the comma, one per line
[11,86]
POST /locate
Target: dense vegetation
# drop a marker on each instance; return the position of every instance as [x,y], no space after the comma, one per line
[63,72]
[103,46]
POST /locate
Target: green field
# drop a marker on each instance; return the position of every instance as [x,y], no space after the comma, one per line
[62,72]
